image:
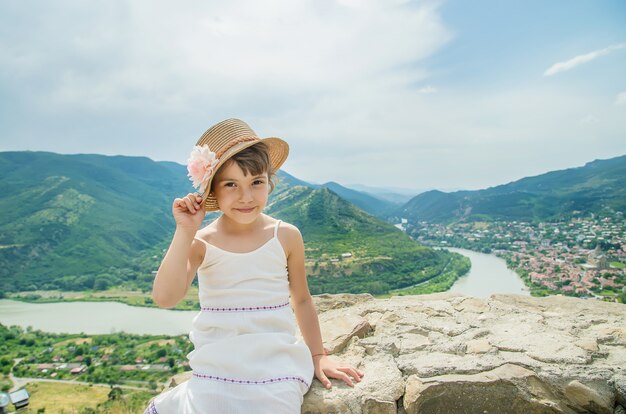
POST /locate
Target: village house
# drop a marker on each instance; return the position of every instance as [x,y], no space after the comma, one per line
[78,370]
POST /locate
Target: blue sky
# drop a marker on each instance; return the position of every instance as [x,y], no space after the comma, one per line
[412,94]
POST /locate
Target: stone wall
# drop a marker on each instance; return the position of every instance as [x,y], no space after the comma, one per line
[448,353]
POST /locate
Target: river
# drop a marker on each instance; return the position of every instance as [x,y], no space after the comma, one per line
[488,275]
[95,318]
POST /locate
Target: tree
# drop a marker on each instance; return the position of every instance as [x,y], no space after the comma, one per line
[101,284]
[116,393]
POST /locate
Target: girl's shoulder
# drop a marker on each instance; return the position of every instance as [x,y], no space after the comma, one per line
[289,235]
[207,232]
[284,226]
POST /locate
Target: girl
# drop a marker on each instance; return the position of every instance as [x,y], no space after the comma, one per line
[250,269]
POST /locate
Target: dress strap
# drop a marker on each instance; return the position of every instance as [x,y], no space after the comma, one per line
[276,228]
[206,243]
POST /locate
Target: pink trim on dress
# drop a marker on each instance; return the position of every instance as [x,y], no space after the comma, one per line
[249,382]
[151,408]
[244,308]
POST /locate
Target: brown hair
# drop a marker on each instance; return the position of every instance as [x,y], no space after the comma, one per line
[254,160]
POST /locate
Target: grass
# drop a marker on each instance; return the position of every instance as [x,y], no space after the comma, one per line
[5,383]
[68,398]
[75,341]
[159,342]
[618,265]
[75,399]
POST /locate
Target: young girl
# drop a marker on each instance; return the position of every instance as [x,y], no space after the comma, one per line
[250,269]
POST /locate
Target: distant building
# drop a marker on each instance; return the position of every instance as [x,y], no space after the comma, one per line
[78,370]
[19,398]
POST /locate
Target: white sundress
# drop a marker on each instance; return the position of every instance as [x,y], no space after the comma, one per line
[246,358]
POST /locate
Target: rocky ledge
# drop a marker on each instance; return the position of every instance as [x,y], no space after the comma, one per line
[449,353]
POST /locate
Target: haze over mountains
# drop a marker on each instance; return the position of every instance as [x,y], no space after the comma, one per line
[554,195]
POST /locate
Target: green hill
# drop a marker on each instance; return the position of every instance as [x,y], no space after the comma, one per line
[381,257]
[555,195]
[81,222]
[67,218]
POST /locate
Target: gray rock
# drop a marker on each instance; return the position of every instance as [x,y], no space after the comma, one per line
[589,399]
[506,389]
[455,353]
[619,384]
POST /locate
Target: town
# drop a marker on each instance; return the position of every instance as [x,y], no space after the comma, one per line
[583,256]
[119,358]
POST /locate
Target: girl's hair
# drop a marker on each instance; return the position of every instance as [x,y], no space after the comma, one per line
[254,160]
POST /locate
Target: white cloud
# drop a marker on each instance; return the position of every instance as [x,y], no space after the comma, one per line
[428,89]
[348,83]
[579,60]
[216,53]
[621,99]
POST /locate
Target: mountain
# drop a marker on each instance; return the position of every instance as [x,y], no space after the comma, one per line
[394,195]
[558,194]
[373,205]
[290,180]
[65,217]
[376,206]
[85,221]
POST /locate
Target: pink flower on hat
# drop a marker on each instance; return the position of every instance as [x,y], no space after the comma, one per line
[201,165]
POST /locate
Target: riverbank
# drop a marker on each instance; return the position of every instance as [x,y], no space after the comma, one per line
[128,297]
[454,269]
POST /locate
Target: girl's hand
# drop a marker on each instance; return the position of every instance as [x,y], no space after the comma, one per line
[188,211]
[326,367]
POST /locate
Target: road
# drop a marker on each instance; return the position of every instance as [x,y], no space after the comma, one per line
[19,382]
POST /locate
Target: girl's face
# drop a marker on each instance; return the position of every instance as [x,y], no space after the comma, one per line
[240,197]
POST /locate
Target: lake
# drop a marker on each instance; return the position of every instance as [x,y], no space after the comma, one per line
[488,275]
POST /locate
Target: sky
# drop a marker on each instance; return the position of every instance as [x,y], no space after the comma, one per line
[392,94]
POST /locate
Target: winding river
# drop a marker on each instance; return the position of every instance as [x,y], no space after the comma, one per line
[487,276]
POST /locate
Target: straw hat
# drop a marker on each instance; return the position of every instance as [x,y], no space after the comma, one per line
[224,140]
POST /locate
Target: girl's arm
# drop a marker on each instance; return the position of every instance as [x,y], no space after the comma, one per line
[177,269]
[306,314]
[184,255]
